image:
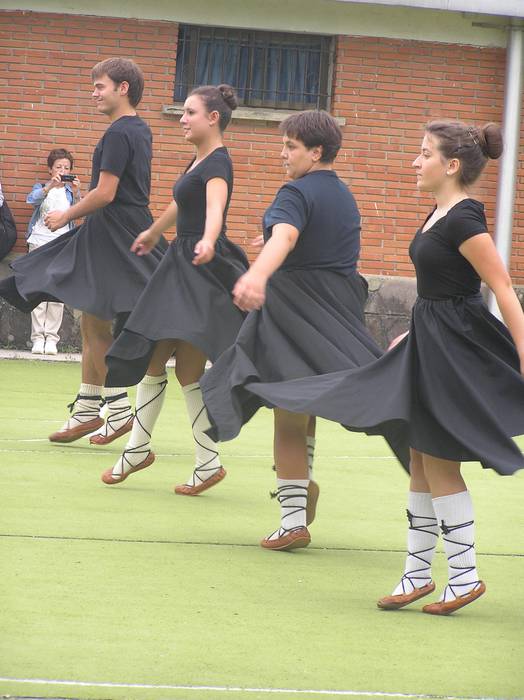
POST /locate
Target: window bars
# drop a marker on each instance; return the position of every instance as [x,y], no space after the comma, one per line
[267,69]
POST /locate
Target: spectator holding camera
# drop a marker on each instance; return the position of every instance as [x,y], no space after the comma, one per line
[58,194]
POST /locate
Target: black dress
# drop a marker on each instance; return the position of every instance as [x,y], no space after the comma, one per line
[454,382]
[91,267]
[185,301]
[312,322]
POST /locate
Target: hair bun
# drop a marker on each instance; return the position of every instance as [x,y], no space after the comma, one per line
[228,95]
[491,140]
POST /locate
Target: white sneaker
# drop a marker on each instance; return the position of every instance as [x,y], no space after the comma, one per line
[38,347]
[50,347]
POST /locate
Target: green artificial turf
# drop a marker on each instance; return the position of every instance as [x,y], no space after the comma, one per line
[131,584]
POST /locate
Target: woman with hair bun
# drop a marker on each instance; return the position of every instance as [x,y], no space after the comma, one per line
[187,307]
[455,379]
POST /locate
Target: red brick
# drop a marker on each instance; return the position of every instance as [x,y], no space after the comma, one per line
[385,88]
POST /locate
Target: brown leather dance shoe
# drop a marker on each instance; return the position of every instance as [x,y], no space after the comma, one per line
[81,430]
[108,478]
[185,490]
[313,492]
[292,539]
[106,439]
[443,608]
[395,602]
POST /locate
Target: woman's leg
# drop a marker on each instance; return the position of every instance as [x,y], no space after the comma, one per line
[310,441]
[416,581]
[313,490]
[208,471]
[290,452]
[150,396]
[454,512]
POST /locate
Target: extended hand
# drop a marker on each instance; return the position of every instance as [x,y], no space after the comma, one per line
[144,243]
[204,252]
[76,186]
[55,181]
[55,220]
[397,340]
[258,242]
[249,292]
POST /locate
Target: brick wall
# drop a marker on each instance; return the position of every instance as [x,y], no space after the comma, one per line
[386,89]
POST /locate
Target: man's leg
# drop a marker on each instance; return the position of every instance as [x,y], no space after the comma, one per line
[85,409]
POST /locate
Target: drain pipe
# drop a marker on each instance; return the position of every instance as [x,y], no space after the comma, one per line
[511,133]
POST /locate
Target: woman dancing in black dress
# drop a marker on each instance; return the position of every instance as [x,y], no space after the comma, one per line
[455,380]
[307,301]
[187,306]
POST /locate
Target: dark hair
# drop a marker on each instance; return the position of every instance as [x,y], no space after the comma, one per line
[121,70]
[472,145]
[315,127]
[57,154]
[218,98]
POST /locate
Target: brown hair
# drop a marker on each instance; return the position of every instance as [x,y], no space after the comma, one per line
[471,145]
[315,127]
[57,154]
[218,98]
[121,70]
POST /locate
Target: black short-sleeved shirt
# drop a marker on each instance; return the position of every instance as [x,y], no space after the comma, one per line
[442,271]
[325,213]
[189,192]
[126,151]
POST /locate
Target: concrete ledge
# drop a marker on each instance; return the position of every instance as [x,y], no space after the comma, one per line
[263,114]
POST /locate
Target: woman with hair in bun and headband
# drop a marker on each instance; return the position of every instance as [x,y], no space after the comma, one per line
[455,379]
[186,308]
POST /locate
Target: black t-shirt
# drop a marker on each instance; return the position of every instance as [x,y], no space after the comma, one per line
[126,151]
[325,213]
[189,192]
[442,271]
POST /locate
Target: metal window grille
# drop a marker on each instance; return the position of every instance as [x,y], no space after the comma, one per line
[267,69]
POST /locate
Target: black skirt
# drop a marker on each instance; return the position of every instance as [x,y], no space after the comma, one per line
[181,301]
[90,268]
[312,324]
[454,382]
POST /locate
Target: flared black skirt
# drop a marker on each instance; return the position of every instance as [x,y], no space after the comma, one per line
[181,301]
[312,324]
[454,382]
[90,268]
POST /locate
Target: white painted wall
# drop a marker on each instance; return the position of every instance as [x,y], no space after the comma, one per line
[509,8]
[317,16]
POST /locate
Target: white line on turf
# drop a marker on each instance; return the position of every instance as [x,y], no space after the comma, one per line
[237,689]
[92,451]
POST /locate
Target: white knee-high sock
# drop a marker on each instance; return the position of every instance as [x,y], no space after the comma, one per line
[207,460]
[150,396]
[422,541]
[310,442]
[456,520]
[85,407]
[292,496]
[118,410]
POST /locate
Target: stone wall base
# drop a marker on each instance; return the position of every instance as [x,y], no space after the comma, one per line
[388,312]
